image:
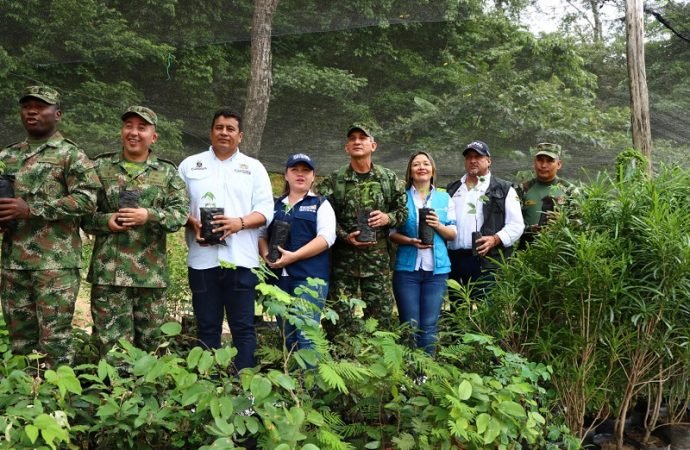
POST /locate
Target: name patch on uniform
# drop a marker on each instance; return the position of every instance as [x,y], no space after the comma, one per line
[530,203]
[310,208]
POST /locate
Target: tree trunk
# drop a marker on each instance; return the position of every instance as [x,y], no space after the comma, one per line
[637,78]
[260,81]
[595,7]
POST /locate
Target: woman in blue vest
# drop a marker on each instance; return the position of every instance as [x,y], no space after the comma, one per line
[305,254]
[421,271]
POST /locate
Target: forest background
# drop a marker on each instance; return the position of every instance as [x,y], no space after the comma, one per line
[429,74]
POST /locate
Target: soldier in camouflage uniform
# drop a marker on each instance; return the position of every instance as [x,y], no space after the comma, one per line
[55,184]
[363,270]
[128,266]
[545,192]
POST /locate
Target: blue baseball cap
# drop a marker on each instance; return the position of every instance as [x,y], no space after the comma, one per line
[297,158]
[479,147]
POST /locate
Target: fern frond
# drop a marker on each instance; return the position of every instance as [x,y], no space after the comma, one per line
[405,441]
[331,441]
[332,378]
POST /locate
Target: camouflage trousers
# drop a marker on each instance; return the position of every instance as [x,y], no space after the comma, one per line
[38,306]
[132,313]
[377,294]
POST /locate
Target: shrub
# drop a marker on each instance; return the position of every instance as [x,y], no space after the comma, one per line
[603,293]
[375,392]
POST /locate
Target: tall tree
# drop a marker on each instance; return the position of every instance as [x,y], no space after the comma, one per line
[261,78]
[637,78]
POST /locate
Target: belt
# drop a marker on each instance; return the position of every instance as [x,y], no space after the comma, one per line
[462,252]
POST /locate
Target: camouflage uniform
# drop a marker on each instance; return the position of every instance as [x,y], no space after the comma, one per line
[41,256]
[540,199]
[129,269]
[363,272]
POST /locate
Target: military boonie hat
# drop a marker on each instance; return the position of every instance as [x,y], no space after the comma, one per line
[142,111]
[478,146]
[359,127]
[548,149]
[43,93]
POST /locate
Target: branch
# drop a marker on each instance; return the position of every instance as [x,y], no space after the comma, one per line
[664,22]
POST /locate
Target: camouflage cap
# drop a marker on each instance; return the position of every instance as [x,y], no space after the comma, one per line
[359,127]
[142,111]
[43,93]
[548,149]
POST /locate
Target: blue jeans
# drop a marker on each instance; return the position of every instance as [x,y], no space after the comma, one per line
[293,337]
[419,296]
[217,292]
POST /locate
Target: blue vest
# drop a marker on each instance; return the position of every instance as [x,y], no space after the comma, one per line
[302,219]
[407,254]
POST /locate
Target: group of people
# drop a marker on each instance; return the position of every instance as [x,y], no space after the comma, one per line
[341,231]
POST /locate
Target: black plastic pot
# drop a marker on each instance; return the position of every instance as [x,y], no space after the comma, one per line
[599,440]
[207,234]
[280,232]
[655,442]
[425,232]
[7,191]
[366,233]
[475,235]
[678,435]
[128,198]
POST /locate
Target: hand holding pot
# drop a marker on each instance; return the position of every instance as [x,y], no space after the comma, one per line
[286,258]
[13,208]
[226,225]
[419,244]
[352,240]
[486,243]
[114,224]
[133,217]
[378,219]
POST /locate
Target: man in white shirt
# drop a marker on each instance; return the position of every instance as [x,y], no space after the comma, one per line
[241,186]
[484,204]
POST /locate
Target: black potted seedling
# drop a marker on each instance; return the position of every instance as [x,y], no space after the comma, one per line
[366,232]
[206,214]
[280,232]
[424,230]
[472,209]
[6,191]
[128,198]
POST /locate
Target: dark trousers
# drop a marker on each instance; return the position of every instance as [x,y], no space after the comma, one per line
[466,268]
[217,292]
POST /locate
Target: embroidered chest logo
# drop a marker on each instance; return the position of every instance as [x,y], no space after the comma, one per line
[199,165]
[310,208]
[244,168]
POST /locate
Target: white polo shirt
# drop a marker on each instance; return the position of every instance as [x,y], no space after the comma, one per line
[240,185]
[469,212]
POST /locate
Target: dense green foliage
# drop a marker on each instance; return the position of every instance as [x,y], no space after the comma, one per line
[425,74]
[369,391]
[603,296]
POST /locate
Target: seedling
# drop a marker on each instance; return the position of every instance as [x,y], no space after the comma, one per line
[206,214]
[209,200]
[368,200]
